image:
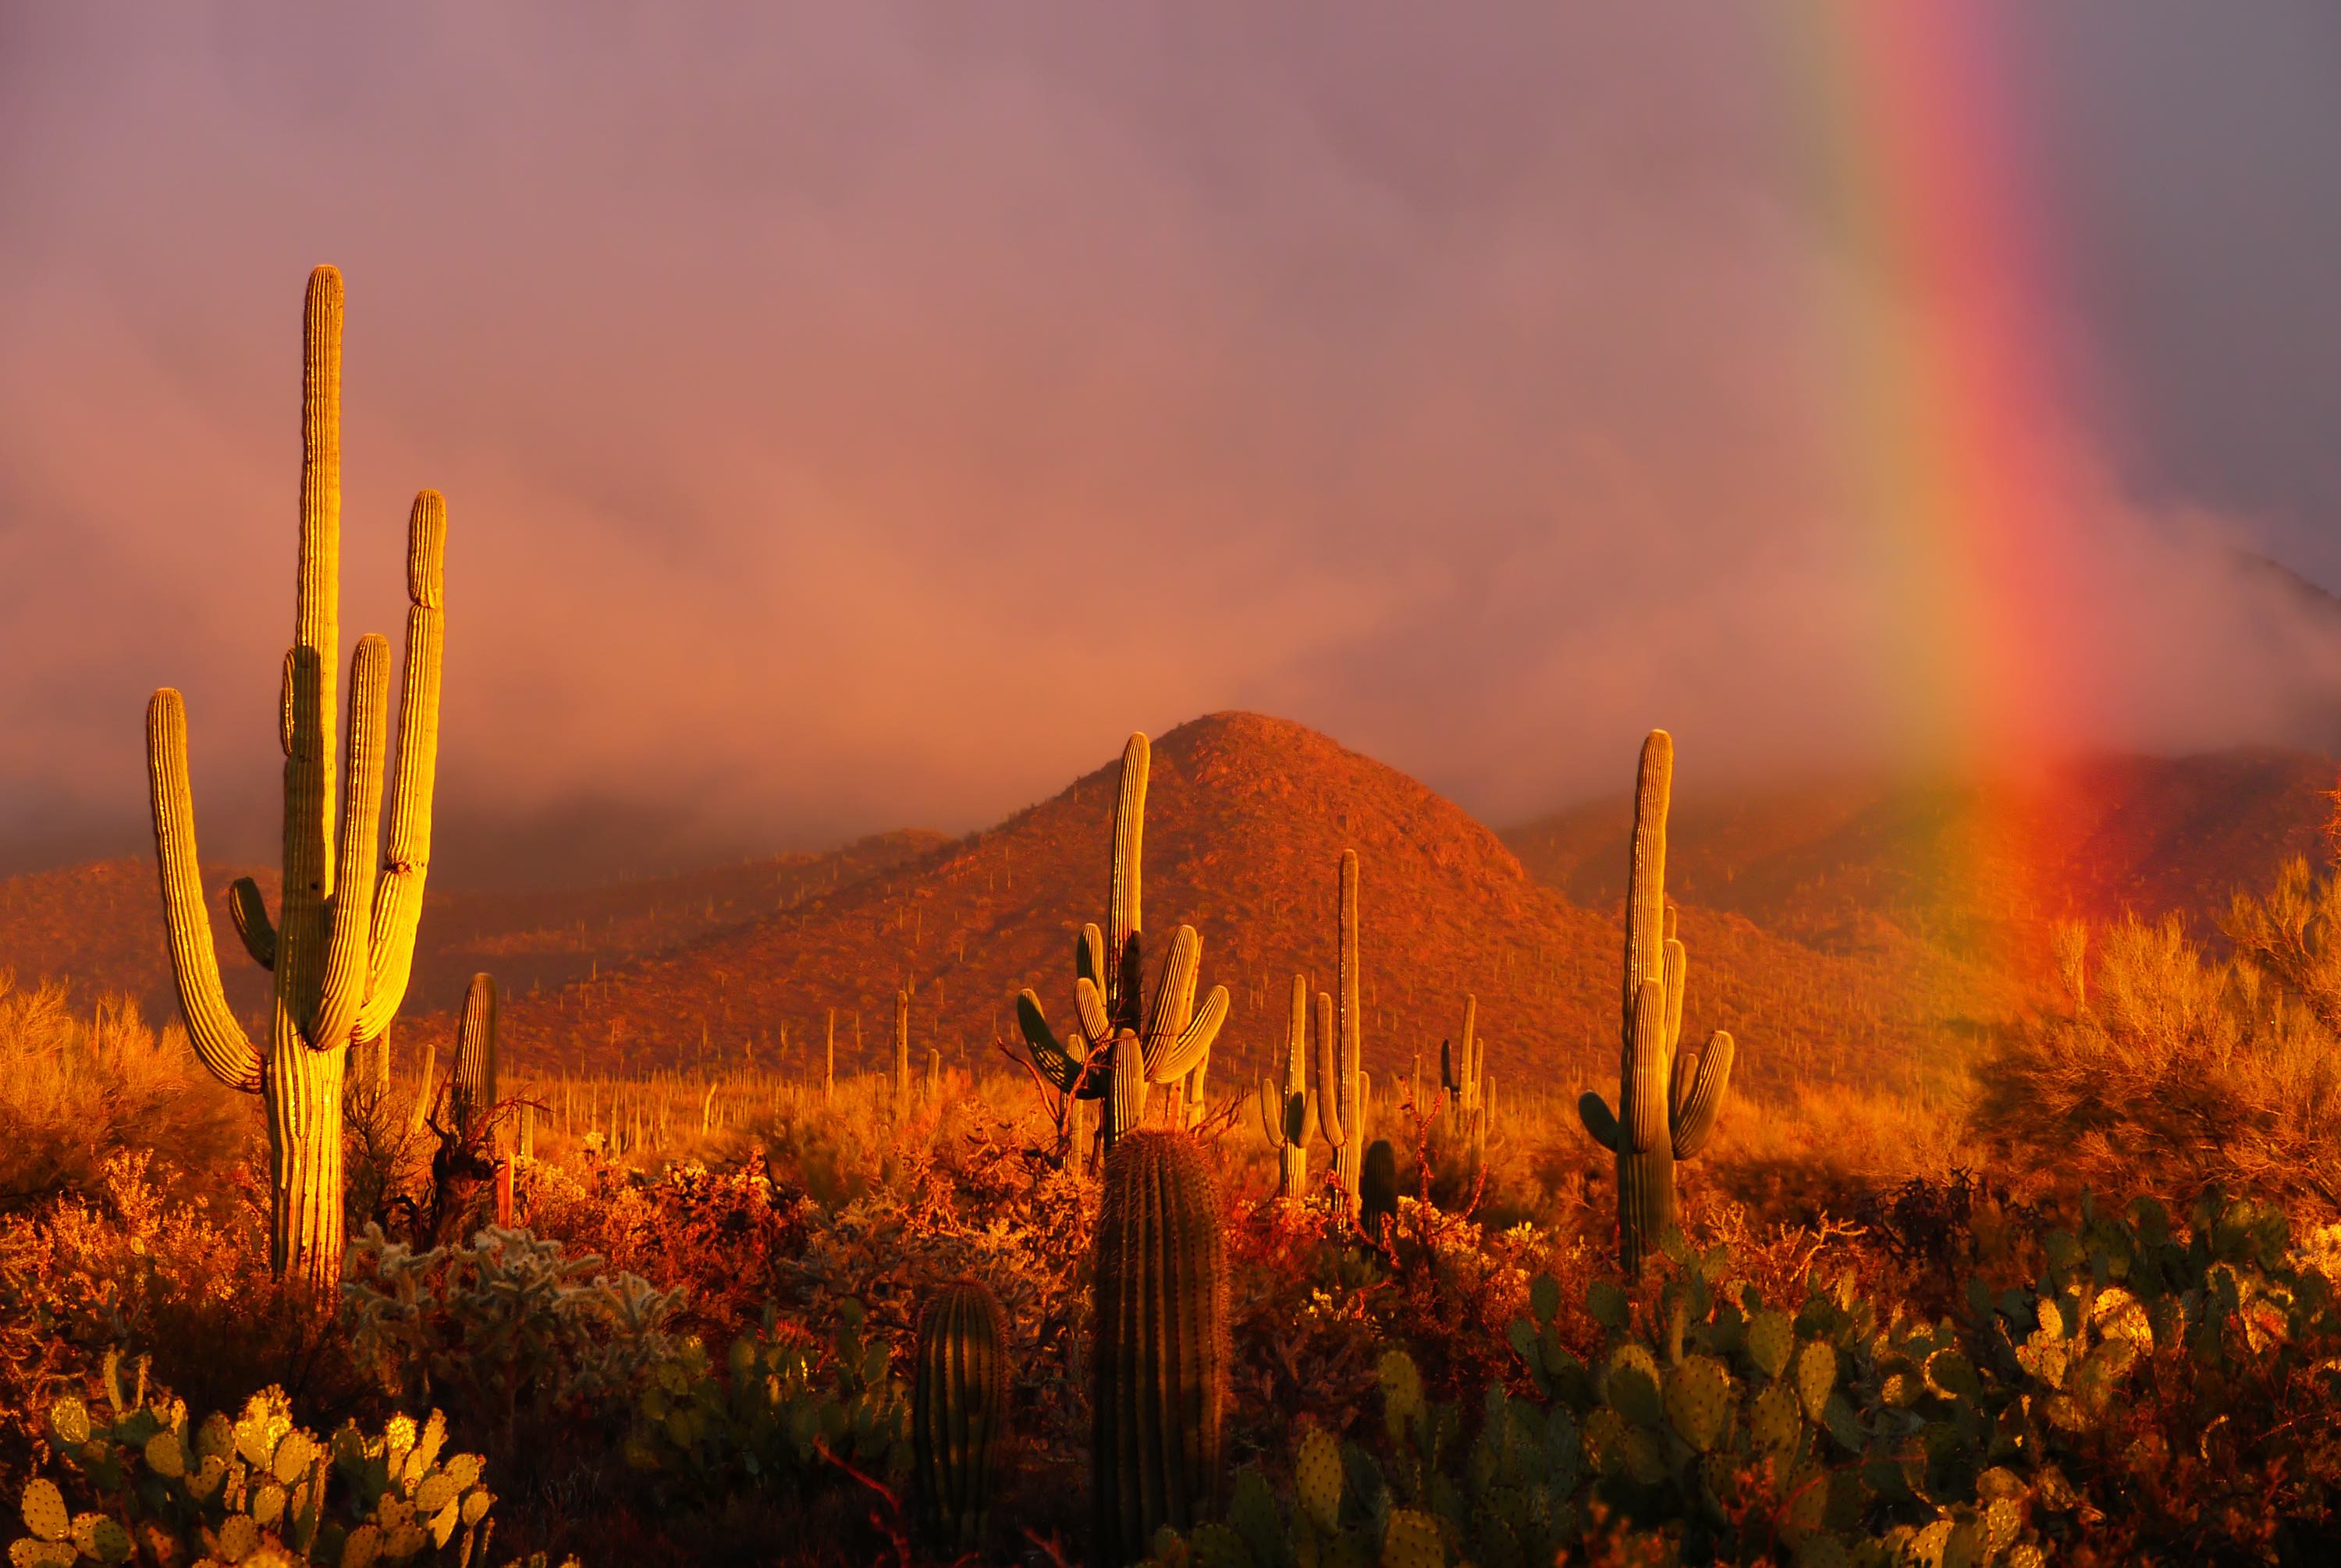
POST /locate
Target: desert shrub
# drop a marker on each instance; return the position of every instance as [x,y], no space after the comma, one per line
[2173,1073]
[166,1488]
[76,1091]
[504,1328]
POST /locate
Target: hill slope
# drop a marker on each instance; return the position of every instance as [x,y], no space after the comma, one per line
[1247,816]
[1846,863]
[99,926]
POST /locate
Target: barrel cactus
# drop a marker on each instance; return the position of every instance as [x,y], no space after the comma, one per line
[1122,1044]
[959,1413]
[343,944]
[1159,1358]
[1664,1113]
[1344,1092]
[1284,1109]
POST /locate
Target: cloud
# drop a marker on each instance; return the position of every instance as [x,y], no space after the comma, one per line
[859,418]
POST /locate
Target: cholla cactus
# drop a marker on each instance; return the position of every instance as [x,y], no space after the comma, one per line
[1121,1045]
[1344,1091]
[344,941]
[1159,1380]
[1663,1116]
[1285,1111]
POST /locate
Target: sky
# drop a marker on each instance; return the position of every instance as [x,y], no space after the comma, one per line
[861,416]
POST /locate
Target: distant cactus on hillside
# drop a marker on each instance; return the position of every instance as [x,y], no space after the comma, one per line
[344,943]
[1659,1120]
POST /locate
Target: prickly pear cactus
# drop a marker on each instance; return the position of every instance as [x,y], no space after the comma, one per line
[959,1413]
[1159,1357]
[1662,1116]
[253,1488]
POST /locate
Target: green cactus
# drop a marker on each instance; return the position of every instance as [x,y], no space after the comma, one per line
[1284,1108]
[1121,1045]
[1344,1091]
[1663,1115]
[1158,1361]
[344,944]
[959,1412]
[472,1095]
[1378,1190]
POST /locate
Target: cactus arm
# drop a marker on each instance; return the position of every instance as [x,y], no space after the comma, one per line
[1089,1004]
[1127,1103]
[1700,1112]
[1328,1088]
[1272,1110]
[1056,1063]
[398,895]
[1645,1075]
[1677,969]
[219,1040]
[351,906]
[1123,911]
[1088,955]
[1594,1112]
[1193,1047]
[249,912]
[1646,895]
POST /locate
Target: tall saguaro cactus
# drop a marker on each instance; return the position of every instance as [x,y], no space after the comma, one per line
[1121,1044]
[1468,1094]
[474,1089]
[1159,1362]
[1284,1108]
[901,1056]
[343,940]
[1343,1089]
[1663,1116]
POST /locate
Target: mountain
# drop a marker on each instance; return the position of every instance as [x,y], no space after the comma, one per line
[1847,863]
[1247,816]
[99,926]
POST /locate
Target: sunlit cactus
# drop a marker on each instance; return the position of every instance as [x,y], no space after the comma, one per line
[1344,1092]
[1467,1096]
[1285,1110]
[959,1413]
[343,942]
[1664,1115]
[472,1095]
[1122,1044]
[934,1076]
[901,1107]
[1158,1360]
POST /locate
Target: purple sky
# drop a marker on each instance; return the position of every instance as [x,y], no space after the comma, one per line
[860,416]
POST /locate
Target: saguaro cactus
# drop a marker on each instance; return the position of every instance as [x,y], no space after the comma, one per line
[1467,1093]
[1119,1045]
[901,1056]
[959,1413]
[1158,1362]
[1378,1190]
[474,1093]
[1343,1089]
[344,941]
[1663,1115]
[1284,1108]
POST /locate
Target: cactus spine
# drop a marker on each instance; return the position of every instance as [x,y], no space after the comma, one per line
[473,1094]
[959,1413]
[1284,1108]
[344,943]
[1343,1086]
[1662,1116]
[1121,1044]
[1159,1363]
